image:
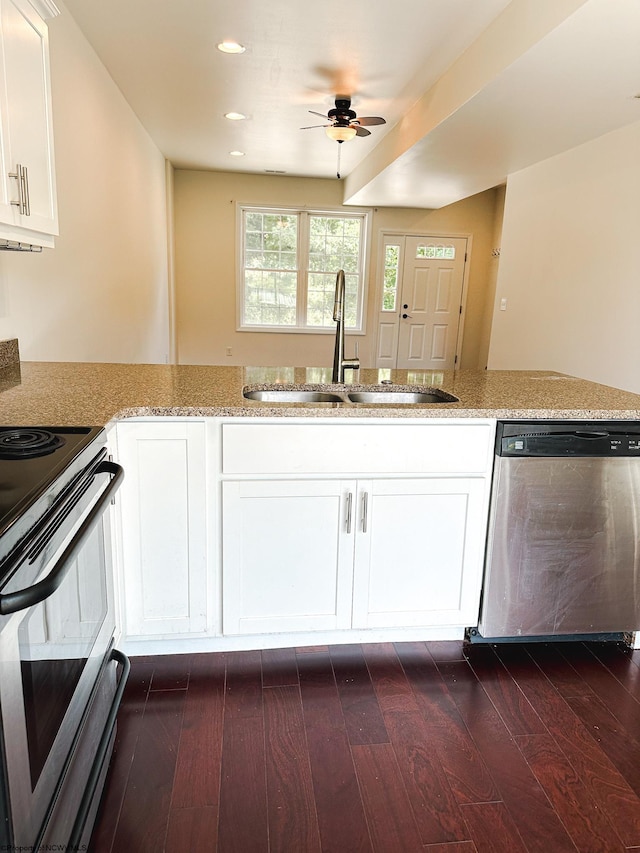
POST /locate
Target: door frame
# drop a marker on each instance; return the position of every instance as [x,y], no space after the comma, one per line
[440,235]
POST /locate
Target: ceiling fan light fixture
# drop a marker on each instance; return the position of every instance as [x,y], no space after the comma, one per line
[231,47]
[340,133]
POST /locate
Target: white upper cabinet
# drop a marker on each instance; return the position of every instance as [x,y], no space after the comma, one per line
[28,207]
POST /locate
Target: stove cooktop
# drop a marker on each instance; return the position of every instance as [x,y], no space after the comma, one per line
[36,465]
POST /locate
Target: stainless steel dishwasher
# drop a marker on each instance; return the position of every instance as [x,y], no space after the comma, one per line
[563,551]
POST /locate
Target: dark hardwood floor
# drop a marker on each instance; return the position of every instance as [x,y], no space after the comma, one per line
[435,747]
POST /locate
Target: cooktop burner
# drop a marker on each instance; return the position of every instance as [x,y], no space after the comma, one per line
[36,465]
[27,442]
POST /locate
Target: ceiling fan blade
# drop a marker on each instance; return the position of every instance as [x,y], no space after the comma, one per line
[361,131]
[311,126]
[314,113]
[369,120]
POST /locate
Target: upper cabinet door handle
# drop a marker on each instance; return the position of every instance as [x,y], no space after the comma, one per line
[365,506]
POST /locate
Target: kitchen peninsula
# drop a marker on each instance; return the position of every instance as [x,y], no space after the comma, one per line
[244,524]
[77,393]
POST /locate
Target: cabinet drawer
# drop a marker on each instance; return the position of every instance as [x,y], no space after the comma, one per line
[434,448]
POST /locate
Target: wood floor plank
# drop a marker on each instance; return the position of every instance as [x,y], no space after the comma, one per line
[605,783]
[242,824]
[555,667]
[493,829]
[612,738]
[362,714]
[171,672]
[613,695]
[243,690]
[389,679]
[391,822]
[512,705]
[618,659]
[192,830]
[527,803]
[587,825]
[456,847]
[468,774]
[339,806]
[291,809]
[434,806]
[197,777]
[444,650]
[144,817]
[279,667]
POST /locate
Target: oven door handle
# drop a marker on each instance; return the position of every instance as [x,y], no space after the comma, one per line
[21,599]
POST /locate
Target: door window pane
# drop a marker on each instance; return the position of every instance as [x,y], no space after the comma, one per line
[390,286]
[433,251]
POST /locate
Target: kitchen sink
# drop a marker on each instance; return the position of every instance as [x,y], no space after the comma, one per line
[372,395]
[287,395]
[388,397]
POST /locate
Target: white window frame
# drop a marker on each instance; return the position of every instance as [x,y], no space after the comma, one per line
[303,214]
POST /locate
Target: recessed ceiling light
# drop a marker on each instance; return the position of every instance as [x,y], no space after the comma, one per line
[237,153]
[231,47]
[235,116]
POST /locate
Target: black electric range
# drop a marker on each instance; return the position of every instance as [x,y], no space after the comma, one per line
[38,464]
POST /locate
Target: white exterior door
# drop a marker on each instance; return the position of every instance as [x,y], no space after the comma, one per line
[419,314]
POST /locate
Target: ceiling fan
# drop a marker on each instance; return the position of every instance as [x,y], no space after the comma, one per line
[344,124]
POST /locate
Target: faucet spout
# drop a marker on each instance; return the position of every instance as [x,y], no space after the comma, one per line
[340,363]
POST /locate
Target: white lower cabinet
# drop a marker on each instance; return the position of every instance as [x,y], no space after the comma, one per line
[326,554]
[419,552]
[286,556]
[164,527]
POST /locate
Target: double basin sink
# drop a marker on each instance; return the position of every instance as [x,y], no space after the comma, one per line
[376,396]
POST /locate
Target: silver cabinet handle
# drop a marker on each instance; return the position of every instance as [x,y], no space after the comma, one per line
[27,201]
[22,177]
[349,504]
[365,503]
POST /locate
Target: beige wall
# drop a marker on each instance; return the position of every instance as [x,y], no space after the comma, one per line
[570,264]
[101,294]
[205,258]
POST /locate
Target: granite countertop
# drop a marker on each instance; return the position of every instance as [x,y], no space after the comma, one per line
[87,394]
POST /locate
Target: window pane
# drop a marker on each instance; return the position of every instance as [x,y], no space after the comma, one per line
[334,244]
[390,285]
[270,298]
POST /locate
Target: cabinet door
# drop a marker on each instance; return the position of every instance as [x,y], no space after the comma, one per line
[27,128]
[287,555]
[164,514]
[419,550]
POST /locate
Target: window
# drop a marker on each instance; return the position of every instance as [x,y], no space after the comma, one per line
[289,262]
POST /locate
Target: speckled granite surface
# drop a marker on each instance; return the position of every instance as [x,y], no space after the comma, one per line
[53,393]
[9,353]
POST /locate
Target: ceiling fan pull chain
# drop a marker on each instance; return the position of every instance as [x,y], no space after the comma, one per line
[338,172]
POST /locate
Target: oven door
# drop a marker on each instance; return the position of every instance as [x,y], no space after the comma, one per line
[52,651]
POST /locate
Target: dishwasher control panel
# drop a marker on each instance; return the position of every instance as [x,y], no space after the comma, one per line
[568,438]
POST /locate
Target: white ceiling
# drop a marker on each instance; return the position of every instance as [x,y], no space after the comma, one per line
[471,89]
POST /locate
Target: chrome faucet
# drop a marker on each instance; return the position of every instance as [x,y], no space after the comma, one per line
[340,363]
